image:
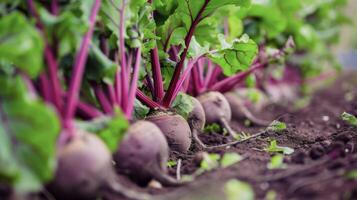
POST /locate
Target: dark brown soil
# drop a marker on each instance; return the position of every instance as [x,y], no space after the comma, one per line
[325,150]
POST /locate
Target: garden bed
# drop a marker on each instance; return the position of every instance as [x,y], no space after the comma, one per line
[325,150]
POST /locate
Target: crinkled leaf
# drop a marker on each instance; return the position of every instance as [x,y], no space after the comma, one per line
[196,49]
[235,56]
[139,25]
[28,132]
[21,44]
[140,110]
[269,20]
[190,9]
[183,104]
[111,16]
[189,12]
[171,33]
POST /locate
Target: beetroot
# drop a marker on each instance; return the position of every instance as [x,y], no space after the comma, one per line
[196,118]
[175,128]
[217,110]
[85,170]
[84,165]
[140,159]
[197,121]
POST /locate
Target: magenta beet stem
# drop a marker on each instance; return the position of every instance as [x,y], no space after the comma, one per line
[50,59]
[45,90]
[89,111]
[156,74]
[228,83]
[78,68]
[123,64]
[103,100]
[146,100]
[185,74]
[169,96]
[133,87]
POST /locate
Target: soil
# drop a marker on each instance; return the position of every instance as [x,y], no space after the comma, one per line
[325,151]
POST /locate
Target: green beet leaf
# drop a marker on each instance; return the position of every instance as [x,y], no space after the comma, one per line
[188,13]
[183,104]
[139,26]
[99,67]
[28,133]
[275,148]
[21,44]
[235,56]
[270,19]
[140,110]
[110,129]
[349,118]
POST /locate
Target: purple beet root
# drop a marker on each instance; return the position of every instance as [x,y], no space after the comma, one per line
[217,110]
[175,128]
[84,165]
[197,121]
[196,118]
[143,154]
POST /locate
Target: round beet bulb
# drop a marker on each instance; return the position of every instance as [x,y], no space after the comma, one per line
[84,165]
[142,153]
[217,110]
[216,107]
[197,121]
[175,128]
[196,118]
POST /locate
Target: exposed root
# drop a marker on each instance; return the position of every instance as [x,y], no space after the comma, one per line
[226,125]
[166,180]
[178,170]
[205,147]
[237,142]
[197,140]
